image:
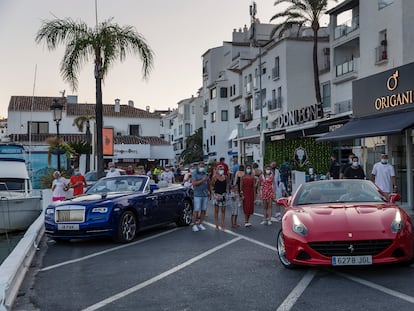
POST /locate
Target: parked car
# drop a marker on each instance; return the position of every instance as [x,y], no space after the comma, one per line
[92,177]
[118,207]
[343,222]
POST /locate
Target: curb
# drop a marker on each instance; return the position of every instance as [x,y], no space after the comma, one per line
[14,267]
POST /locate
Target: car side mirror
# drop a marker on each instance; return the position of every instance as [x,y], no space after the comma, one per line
[394,197]
[283,201]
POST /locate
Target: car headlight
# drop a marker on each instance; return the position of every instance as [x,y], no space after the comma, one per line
[101,210]
[50,211]
[397,224]
[298,226]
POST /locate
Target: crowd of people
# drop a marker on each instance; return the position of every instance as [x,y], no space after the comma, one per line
[236,188]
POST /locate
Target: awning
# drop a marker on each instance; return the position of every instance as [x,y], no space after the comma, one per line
[233,134]
[253,124]
[383,125]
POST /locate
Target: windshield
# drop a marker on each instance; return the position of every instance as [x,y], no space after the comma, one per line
[338,191]
[122,183]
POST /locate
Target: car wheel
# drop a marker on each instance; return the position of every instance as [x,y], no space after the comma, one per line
[186,216]
[127,227]
[281,252]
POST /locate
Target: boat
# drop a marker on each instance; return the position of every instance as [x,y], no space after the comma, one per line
[19,207]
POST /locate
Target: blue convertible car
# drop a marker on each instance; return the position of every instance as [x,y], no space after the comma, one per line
[118,207]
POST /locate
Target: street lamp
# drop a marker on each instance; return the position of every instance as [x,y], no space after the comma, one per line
[56,108]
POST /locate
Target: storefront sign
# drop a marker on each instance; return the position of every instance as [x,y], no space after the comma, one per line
[300,116]
[386,92]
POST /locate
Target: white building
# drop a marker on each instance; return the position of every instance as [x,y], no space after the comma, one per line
[136,132]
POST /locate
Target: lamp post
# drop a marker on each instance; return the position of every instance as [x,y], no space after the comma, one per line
[56,108]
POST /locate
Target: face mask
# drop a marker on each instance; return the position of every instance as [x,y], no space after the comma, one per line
[384,161]
[355,163]
[201,169]
[167,170]
[248,171]
[221,172]
[77,173]
[112,169]
[268,171]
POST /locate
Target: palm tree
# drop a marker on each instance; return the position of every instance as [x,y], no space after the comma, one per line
[79,122]
[105,43]
[303,13]
[194,149]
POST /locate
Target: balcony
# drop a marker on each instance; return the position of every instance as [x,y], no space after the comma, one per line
[346,28]
[246,116]
[342,107]
[275,73]
[275,103]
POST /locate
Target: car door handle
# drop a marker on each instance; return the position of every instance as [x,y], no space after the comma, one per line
[152,197]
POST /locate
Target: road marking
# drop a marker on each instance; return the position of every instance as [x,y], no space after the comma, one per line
[244,237]
[294,295]
[107,251]
[137,287]
[380,288]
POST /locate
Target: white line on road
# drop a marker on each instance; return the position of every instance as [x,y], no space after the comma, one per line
[383,289]
[294,295]
[107,251]
[137,287]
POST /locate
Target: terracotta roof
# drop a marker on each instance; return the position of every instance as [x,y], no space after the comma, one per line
[71,138]
[24,103]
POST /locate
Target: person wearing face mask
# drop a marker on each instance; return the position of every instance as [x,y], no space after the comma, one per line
[219,187]
[77,182]
[201,194]
[112,170]
[355,171]
[345,166]
[167,175]
[383,175]
[248,186]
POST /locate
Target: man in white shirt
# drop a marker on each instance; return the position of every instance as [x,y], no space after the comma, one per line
[167,175]
[112,170]
[383,175]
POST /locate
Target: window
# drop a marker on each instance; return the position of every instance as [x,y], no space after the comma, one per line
[224,115]
[213,93]
[39,127]
[223,92]
[134,129]
[276,69]
[384,3]
[180,129]
[237,111]
[186,112]
[187,129]
[326,95]
[213,117]
[204,124]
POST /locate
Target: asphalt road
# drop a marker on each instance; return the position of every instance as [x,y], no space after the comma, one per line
[176,269]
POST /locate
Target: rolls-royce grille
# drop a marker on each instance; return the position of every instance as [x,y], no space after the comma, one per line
[350,248]
[70,215]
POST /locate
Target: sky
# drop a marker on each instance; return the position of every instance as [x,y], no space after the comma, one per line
[178,31]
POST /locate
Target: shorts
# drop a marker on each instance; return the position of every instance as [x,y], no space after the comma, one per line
[235,209]
[200,204]
[219,200]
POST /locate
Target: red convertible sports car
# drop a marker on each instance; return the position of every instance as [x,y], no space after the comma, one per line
[343,222]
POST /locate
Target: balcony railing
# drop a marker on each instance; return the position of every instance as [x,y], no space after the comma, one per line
[275,103]
[345,68]
[346,28]
[275,73]
[344,106]
[246,116]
